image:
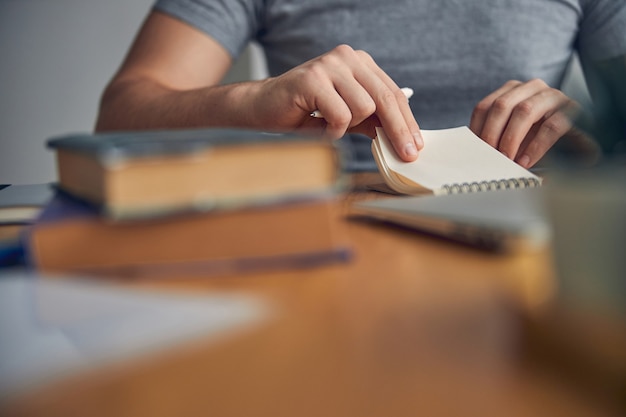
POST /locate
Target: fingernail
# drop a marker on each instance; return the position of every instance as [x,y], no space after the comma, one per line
[418,139]
[410,149]
[524,161]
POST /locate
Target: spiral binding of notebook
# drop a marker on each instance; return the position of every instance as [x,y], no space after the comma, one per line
[503,184]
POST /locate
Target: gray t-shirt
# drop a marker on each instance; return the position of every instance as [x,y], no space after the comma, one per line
[452,53]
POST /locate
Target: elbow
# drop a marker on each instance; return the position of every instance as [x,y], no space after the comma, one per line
[110,113]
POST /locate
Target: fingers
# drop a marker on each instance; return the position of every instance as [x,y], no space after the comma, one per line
[351,91]
[543,108]
[523,120]
[482,109]
[394,112]
[545,136]
[491,115]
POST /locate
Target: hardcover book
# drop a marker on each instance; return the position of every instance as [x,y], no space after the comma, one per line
[154,173]
[72,237]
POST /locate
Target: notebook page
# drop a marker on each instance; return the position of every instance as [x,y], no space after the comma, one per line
[452,156]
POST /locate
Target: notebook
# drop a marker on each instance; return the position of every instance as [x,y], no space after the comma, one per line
[452,161]
[501,220]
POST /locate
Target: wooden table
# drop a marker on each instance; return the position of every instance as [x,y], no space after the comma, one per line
[412,325]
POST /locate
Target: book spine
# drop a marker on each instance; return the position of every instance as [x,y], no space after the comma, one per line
[503,184]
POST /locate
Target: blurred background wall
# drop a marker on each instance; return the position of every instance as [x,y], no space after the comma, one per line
[56,57]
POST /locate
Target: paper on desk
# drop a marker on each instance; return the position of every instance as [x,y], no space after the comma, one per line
[52,327]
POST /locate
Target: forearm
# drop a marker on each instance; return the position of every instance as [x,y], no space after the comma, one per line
[345,85]
[145,104]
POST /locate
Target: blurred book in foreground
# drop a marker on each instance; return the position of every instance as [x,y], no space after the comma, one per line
[500,221]
[207,201]
[20,204]
[152,173]
[71,236]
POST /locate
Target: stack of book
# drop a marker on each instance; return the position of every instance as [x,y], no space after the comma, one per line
[206,200]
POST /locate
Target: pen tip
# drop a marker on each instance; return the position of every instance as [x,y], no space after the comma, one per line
[408,92]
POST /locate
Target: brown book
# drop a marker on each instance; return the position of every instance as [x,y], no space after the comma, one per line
[151,173]
[71,236]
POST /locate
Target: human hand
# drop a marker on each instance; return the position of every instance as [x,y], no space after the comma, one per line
[350,90]
[524,119]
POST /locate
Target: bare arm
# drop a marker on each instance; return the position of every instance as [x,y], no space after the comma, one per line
[171,76]
[168,79]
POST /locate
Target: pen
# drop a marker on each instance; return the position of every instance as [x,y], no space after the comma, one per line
[408,92]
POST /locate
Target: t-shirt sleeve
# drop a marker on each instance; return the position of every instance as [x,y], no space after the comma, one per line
[232,23]
[603,29]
